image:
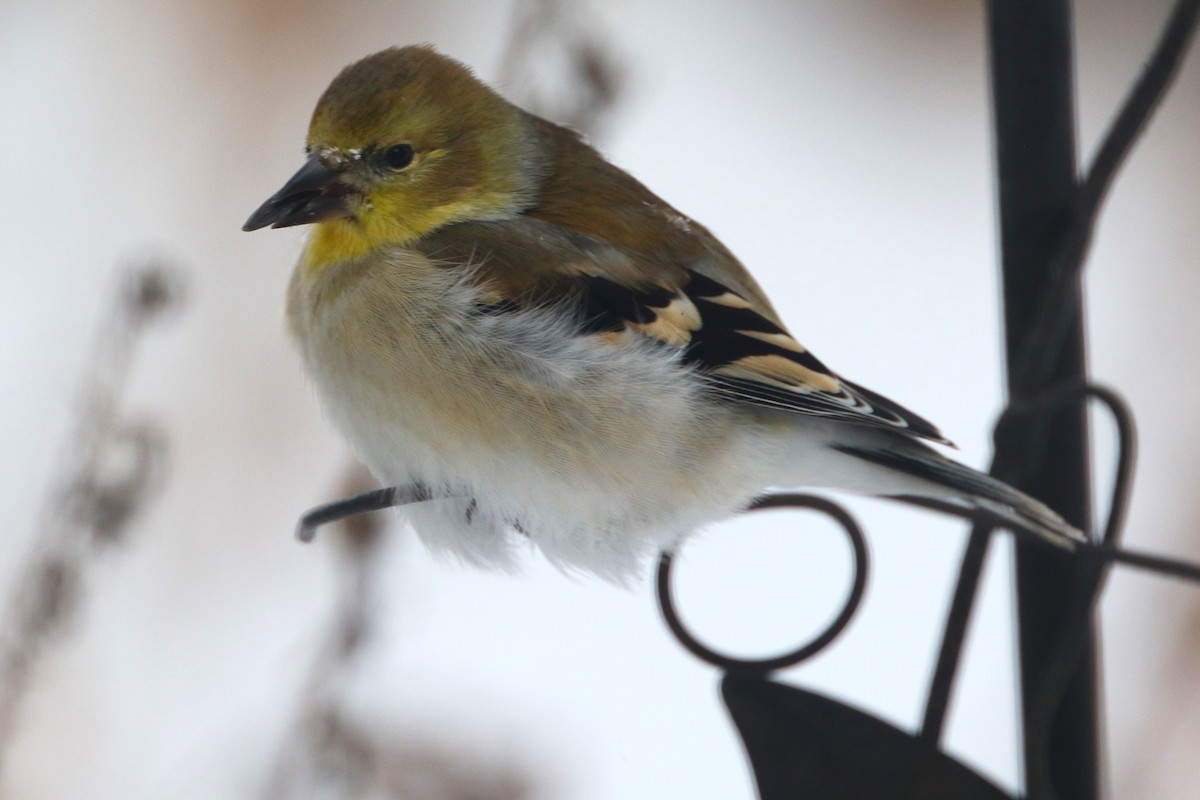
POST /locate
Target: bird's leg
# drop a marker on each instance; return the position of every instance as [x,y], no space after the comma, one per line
[374,500]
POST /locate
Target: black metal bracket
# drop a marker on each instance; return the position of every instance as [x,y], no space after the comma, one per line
[759,666]
[801,744]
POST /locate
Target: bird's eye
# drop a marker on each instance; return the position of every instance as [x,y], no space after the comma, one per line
[398,156]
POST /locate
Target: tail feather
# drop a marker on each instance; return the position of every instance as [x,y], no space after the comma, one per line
[980,491]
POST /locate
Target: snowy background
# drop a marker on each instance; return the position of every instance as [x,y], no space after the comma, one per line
[840,149]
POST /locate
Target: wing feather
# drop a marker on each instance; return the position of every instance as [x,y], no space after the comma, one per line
[744,354]
[746,357]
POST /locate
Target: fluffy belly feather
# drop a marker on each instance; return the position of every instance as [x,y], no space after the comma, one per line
[597,451]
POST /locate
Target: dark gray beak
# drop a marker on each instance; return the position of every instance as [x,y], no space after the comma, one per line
[313,194]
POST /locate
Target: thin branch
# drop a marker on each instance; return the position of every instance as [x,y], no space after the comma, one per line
[111,468]
[321,748]
[560,66]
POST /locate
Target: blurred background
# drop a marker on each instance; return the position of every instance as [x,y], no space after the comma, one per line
[191,648]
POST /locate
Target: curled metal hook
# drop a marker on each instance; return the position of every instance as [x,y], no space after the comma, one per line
[666,602]
[374,500]
[1056,398]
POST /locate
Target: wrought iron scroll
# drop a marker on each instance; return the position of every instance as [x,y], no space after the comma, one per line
[666,602]
[801,744]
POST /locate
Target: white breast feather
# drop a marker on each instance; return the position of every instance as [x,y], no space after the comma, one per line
[598,454]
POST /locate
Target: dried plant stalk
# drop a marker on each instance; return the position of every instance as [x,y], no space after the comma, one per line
[111,467]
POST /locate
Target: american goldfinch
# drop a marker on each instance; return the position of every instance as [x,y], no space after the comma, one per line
[490,309]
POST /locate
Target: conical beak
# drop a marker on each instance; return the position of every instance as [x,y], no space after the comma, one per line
[313,194]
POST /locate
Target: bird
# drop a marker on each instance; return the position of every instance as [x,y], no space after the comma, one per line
[489,309]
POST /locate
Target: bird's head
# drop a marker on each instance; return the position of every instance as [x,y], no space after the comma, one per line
[401,143]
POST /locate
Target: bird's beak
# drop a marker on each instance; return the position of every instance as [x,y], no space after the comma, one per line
[311,195]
